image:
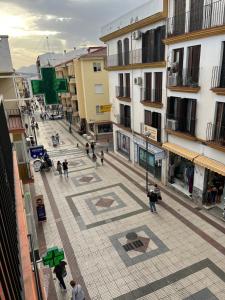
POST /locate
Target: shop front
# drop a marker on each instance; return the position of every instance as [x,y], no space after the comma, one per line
[150,159]
[181,168]
[123,144]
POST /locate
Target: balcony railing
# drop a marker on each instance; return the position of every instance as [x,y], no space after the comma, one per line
[181,124]
[208,16]
[185,77]
[14,119]
[123,92]
[151,95]
[125,121]
[215,134]
[218,77]
[137,56]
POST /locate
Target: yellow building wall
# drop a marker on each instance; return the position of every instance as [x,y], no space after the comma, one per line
[7,88]
[91,99]
[79,85]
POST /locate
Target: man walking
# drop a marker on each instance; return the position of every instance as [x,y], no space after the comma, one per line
[60,272]
[152,200]
[65,168]
[87,148]
[77,291]
[93,147]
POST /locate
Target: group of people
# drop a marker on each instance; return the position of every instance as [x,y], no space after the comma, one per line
[94,156]
[55,139]
[154,195]
[61,273]
[63,168]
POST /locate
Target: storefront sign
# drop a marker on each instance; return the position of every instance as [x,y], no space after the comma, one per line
[159,153]
[40,208]
[53,257]
[36,151]
[103,108]
[153,132]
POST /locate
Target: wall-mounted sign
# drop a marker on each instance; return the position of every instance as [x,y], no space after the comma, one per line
[36,151]
[158,153]
[53,257]
[153,132]
[40,208]
[103,108]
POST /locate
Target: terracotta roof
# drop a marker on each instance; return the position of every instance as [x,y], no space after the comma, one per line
[98,53]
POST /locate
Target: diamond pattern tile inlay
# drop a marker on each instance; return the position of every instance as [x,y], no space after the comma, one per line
[86,179]
[105,202]
[145,242]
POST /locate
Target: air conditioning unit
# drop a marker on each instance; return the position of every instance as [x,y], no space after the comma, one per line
[138,80]
[172,124]
[137,35]
[172,79]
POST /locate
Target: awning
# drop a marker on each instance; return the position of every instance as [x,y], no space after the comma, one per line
[210,164]
[190,155]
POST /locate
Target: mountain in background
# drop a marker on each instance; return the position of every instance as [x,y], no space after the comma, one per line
[32,69]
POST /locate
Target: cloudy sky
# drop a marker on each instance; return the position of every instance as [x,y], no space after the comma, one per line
[67,23]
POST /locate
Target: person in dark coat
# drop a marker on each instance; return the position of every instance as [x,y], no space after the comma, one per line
[152,200]
[60,272]
[93,147]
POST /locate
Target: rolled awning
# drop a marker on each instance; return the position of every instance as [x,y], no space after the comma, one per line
[210,164]
[190,155]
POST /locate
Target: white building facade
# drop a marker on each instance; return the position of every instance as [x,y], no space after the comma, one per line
[136,63]
[195,117]
[179,90]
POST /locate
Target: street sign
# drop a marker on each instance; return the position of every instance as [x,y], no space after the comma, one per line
[36,151]
[40,208]
[103,108]
[53,257]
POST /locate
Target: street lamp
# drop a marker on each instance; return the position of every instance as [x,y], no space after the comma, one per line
[147,135]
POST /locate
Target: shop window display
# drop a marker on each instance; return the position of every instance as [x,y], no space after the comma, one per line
[181,172]
[214,188]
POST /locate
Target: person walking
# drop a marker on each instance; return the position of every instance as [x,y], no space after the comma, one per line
[60,272]
[87,148]
[57,137]
[93,147]
[152,200]
[157,192]
[94,158]
[59,167]
[102,157]
[77,291]
[65,168]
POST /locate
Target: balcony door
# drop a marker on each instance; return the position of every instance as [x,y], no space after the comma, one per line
[156,123]
[219,132]
[193,65]
[178,58]
[126,51]
[120,53]
[158,87]
[179,16]
[127,122]
[148,86]
[222,74]
[196,15]
[127,78]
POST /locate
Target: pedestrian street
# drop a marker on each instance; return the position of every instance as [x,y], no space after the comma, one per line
[114,246]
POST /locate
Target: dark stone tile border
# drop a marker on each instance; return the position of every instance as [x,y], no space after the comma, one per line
[80,220]
[188,223]
[71,258]
[173,278]
[202,295]
[52,295]
[128,261]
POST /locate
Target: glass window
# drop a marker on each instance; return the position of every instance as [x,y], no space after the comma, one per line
[97,67]
[105,128]
[99,88]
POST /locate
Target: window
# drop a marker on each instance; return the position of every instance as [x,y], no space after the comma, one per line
[99,88]
[153,119]
[97,67]
[158,87]
[105,128]
[120,53]
[193,65]
[126,51]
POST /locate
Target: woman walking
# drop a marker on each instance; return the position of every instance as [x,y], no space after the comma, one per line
[59,167]
[102,157]
[94,158]
[87,148]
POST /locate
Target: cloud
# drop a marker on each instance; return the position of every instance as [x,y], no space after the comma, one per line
[68,23]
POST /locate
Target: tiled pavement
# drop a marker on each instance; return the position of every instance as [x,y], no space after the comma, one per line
[114,246]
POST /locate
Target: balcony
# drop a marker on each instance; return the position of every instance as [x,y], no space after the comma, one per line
[123,93]
[14,120]
[185,80]
[215,135]
[181,127]
[218,80]
[134,58]
[151,97]
[124,122]
[202,18]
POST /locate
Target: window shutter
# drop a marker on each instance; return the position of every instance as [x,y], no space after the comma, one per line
[121,113]
[145,46]
[148,86]
[148,118]
[193,116]
[158,87]
[120,53]
[151,48]
[126,51]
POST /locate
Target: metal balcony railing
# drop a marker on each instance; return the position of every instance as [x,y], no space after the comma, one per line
[215,134]
[185,77]
[151,95]
[218,77]
[209,16]
[181,124]
[14,119]
[122,92]
[136,56]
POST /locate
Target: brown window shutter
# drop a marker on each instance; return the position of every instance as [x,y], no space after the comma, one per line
[148,86]
[148,118]
[158,87]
